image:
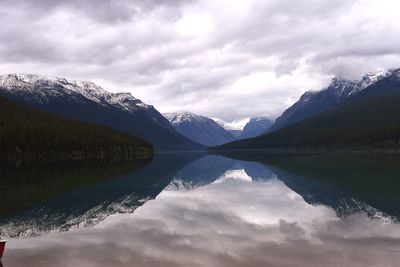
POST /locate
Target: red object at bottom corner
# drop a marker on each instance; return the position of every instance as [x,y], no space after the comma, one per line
[2,247]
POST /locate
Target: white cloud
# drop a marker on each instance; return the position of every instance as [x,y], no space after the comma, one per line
[224,59]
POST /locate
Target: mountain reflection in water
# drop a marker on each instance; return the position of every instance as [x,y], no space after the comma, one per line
[209,211]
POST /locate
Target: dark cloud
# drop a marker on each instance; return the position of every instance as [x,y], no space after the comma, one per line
[211,57]
[103,11]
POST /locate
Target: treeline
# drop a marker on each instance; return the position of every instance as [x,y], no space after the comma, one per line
[30,134]
[371,124]
[33,182]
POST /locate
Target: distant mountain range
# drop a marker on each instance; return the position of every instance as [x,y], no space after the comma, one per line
[198,128]
[87,102]
[256,127]
[361,114]
[347,113]
[208,132]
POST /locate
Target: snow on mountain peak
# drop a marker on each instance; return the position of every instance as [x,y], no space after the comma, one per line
[12,80]
[375,76]
[124,96]
[344,88]
[128,101]
[44,87]
[371,77]
[199,128]
[395,73]
[177,118]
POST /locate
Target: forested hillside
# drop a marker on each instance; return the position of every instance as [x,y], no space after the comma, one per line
[27,133]
[366,123]
[89,103]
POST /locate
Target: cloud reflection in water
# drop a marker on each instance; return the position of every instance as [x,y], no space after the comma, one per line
[233,221]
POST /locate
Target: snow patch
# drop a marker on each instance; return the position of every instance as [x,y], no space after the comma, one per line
[42,88]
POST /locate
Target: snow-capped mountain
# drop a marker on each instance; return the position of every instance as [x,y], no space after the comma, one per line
[312,103]
[388,85]
[42,89]
[88,102]
[199,128]
[366,120]
[256,126]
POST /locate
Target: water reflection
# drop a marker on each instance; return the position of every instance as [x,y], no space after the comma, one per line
[369,178]
[111,188]
[217,211]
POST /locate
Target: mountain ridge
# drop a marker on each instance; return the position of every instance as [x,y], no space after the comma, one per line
[256,126]
[88,102]
[199,128]
[368,120]
[314,102]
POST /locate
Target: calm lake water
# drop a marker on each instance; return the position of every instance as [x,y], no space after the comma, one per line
[204,210]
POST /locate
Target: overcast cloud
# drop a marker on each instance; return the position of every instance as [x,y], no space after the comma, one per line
[225,59]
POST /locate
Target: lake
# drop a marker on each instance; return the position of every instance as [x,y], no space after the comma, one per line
[190,209]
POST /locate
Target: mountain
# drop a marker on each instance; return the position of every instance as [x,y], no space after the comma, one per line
[236,133]
[312,103]
[255,127]
[27,133]
[367,120]
[199,128]
[87,102]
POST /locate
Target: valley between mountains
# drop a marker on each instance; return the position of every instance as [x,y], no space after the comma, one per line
[45,117]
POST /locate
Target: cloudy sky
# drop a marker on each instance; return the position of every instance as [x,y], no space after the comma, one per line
[225,59]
